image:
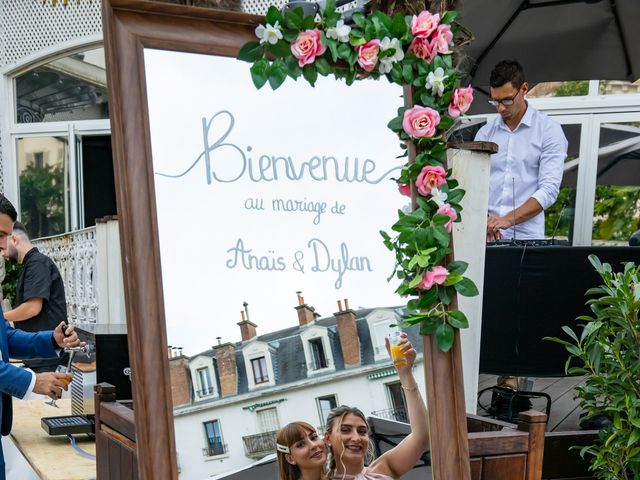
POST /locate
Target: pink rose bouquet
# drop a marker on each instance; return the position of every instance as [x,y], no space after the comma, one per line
[430,177]
[420,122]
[461,101]
[306,47]
[436,276]
[368,54]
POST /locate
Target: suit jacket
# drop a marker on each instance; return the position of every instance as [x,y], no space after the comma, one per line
[15,381]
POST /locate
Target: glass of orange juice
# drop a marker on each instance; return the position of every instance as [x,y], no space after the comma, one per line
[397,355]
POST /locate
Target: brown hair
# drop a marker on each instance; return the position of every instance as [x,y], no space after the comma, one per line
[287,436]
[334,419]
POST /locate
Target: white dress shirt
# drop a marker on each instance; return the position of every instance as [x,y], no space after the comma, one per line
[529,163]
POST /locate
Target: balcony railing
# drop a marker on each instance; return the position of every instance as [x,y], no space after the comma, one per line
[205,392]
[260,444]
[215,449]
[91,269]
[399,414]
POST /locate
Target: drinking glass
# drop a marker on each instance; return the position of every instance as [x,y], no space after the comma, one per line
[397,355]
[66,380]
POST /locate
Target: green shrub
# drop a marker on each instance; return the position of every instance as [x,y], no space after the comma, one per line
[607,352]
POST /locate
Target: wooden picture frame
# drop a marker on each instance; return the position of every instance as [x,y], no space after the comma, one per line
[130,26]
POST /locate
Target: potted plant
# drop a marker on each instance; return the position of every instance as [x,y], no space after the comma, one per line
[607,353]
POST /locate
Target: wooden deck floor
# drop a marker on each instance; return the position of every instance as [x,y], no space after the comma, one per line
[564,408]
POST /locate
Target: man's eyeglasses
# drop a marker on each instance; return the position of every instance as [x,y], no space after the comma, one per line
[507,102]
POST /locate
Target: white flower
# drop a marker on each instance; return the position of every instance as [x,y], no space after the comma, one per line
[435,81]
[340,32]
[386,43]
[439,196]
[270,33]
[398,54]
[408,209]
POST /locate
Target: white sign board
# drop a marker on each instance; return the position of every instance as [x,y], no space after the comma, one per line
[261,194]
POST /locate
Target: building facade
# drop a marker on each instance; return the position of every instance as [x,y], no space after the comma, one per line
[230,400]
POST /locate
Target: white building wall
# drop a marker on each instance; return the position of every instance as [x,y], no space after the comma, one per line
[351,388]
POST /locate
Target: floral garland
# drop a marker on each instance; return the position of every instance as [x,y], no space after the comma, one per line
[415,51]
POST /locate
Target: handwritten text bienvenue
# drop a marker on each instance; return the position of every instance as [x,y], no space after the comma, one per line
[238,164]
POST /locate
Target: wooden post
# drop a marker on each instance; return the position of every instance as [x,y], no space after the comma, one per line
[445,387]
[535,423]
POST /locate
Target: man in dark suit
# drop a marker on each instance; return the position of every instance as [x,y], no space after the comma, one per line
[20,382]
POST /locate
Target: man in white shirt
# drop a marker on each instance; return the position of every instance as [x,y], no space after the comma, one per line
[527,170]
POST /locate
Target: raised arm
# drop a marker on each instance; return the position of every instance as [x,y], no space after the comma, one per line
[400,459]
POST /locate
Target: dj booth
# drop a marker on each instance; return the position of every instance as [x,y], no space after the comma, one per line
[531,291]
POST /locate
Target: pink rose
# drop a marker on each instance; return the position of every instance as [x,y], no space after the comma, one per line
[420,122]
[436,276]
[450,212]
[461,101]
[404,189]
[423,24]
[441,39]
[421,47]
[368,54]
[430,177]
[307,47]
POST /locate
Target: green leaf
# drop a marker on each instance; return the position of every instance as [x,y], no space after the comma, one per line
[454,196]
[416,280]
[260,73]
[293,69]
[457,319]
[333,49]
[308,23]
[452,279]
[273,15]
[428,298]
[395,124]
[344,51]
[449,17]
[280,49]
[323,66]
[329,7]
[277,73]
[429,325]
[458,266]
[444,337]
[466,287]
[251,52]
[441,235]
[310,73]
[407,73]
[293,18]
[398,26]
[359,19]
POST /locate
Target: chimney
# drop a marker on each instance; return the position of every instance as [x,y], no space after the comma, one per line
[305,312]
[180,380]
[247,327]
[348,333]
[227,370]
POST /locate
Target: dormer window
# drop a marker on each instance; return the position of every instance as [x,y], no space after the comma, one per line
[317,349]
[204,382]
[260,372]
[258,361]
[203,377]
